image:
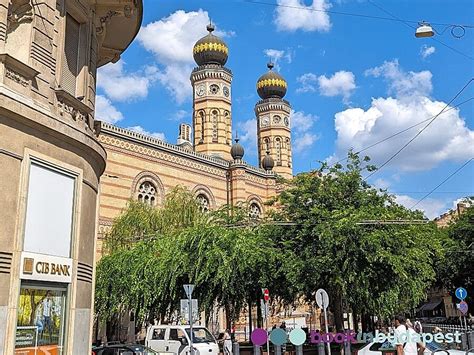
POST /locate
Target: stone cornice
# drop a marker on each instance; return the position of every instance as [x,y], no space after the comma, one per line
[103,128]
[272,104]
[211,71]
[18,66]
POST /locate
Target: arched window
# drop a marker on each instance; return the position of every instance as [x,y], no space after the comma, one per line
[203,202]
[214,116]
[228,134]
[202,119]
[266,144]
[254,211]
[278,150]
[288,146]
[147,193]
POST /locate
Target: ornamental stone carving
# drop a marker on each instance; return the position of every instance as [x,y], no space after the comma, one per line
[20,79]
[20,11]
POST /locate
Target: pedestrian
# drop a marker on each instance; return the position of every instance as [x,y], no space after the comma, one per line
[418,327]
[227,339]
[283,326]
[404,332]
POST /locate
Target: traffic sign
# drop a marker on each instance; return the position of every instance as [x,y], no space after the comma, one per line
[266,294]
[463,307]
[322,298]
[189,290]
[461,293]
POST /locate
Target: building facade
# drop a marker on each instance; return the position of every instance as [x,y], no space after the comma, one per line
[204,160]
[51,164]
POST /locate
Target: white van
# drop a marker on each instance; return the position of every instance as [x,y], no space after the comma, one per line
[175,339]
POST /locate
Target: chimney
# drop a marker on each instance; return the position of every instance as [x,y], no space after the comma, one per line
[184,134]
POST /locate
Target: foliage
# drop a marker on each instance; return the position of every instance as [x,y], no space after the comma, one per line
[458,267]
[375,269]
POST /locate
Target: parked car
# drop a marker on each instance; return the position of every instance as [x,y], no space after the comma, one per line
[375,348]
[176,338]
[122,349]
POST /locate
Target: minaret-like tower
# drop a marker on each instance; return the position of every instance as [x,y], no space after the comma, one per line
[211,81]
[273,123]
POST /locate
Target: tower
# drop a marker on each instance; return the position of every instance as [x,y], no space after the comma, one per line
[273,122]
[211,83]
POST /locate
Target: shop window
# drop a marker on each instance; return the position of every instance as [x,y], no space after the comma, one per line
[41,320]
[49,230]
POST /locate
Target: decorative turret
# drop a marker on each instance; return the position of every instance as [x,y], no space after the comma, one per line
[211,81]
[237,151]
[210,49]
[273,119]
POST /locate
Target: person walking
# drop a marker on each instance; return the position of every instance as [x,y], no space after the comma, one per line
[227,339]
[403,338]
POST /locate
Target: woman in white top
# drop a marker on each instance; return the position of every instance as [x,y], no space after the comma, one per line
[403,338]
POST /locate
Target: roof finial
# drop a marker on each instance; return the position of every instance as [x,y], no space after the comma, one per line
[236,139]
[270,65]
[210,27]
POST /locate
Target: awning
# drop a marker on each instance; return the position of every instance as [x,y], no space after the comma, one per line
[430,306]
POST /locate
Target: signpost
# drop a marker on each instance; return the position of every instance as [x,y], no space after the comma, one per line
[189,293]
[461,294]
[322,299]
[266,298]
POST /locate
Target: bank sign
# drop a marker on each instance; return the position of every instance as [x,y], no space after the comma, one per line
[42,267]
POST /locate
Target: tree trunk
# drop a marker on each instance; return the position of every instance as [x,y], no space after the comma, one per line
[250,317]
[259,314]
[338,313]
[228,321]
[355,319]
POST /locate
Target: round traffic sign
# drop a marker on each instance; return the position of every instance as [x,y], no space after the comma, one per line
[266,294]
[322,298]
[461,293]
[463,307]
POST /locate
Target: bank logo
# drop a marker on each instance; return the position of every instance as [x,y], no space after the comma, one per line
[28,266]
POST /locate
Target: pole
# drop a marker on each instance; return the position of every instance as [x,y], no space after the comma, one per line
[326,325]
[191,350]
[266,325]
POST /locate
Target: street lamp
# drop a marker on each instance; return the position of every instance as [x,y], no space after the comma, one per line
[424,30]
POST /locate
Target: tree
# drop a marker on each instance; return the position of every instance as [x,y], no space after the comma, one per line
[372,269]
[458,268]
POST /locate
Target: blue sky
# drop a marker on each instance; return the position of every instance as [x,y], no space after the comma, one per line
[352,82]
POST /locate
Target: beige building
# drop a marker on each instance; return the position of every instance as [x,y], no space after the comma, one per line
[51,164]
[204,159]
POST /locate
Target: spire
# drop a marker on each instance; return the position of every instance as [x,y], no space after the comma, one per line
[270,65]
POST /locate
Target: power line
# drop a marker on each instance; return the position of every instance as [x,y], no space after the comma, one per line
[407,23]
[442,182]
[349,13]
[402,131]
[419,132]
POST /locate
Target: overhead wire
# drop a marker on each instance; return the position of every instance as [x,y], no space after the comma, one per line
[419,132]
[442,182]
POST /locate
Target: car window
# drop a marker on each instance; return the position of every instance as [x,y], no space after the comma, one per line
[176,334]
[158,334]
[201,335]
[375,346]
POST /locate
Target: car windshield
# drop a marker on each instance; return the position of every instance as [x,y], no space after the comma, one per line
[201,335]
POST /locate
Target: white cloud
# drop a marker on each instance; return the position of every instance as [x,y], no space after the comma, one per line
[120,85]
[105,111]
[403,84]
[276,55]
[381,183]
[171,40]
[292,15]
[140,129]
[446,139]
[180,115]
[431,207]
[301,125]
[340,83]
[247,132]
[426,51]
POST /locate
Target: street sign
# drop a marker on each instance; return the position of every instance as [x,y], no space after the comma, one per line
[189,290]
[461,293]
[463,307]
[265,309]
[184,309]
[266,294]
[322,298]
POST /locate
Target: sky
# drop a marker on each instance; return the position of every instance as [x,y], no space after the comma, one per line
[354,78]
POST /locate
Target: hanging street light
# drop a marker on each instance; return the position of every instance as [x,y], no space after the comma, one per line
[424,30]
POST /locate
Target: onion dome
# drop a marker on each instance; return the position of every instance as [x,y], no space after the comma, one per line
[237,151]
[267,162]
[210,49]
[271,84]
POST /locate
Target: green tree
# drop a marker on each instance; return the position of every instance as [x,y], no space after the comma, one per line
[371,269]
[458,268]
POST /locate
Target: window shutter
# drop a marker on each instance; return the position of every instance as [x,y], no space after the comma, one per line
[71,55]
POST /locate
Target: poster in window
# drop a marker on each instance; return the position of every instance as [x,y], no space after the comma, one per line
[40,325]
